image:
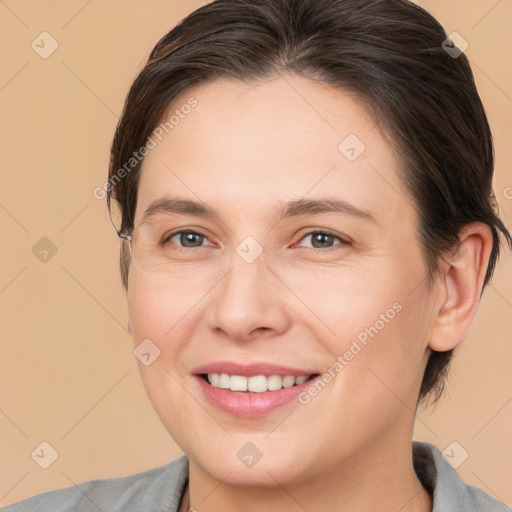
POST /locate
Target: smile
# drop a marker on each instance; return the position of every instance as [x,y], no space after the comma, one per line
[255,383]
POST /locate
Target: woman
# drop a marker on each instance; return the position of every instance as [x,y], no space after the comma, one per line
[307,225]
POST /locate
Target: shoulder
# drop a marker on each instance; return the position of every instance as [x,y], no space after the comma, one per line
[446,486]
[154,490]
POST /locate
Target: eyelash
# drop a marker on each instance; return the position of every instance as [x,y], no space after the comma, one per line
[343,242]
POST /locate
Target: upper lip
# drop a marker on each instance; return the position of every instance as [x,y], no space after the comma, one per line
[249,370]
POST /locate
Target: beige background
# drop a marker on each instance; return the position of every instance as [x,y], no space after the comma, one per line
[67,372]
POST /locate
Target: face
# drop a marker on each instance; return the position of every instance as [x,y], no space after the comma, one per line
[308,266]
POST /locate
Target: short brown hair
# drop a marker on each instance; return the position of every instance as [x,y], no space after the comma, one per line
[389,53]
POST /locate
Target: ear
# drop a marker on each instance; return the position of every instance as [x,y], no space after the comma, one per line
[128,326]
[460,287]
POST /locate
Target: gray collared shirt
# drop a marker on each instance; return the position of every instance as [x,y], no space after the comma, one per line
[161,489]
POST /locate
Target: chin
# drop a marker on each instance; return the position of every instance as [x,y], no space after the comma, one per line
[263,475]
[249,461]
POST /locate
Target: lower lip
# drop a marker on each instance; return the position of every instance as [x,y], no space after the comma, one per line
[250,404]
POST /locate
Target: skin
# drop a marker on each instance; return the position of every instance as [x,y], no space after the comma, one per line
[243,149]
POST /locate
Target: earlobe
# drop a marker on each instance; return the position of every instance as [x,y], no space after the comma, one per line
[461,285]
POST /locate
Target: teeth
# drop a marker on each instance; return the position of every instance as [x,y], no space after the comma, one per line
[255,384]
[238,383]
[288,381]
[223,380]
[301,379]
[274,382]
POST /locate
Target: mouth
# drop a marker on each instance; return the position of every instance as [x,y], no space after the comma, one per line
[254,383]
[251,390]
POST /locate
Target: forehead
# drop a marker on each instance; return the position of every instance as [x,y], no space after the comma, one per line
[246,146]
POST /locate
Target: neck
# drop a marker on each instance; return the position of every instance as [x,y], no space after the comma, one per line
[381,478]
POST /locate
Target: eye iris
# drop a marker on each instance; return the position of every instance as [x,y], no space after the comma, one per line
[321,238]
[187,237]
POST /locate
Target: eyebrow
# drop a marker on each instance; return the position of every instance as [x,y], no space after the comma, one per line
[172,205]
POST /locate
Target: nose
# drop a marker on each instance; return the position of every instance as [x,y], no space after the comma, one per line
[249,302]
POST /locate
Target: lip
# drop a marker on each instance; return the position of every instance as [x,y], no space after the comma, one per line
[247,404]
[252,369]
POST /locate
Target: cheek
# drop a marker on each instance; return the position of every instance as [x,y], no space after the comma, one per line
[343,303]
[383,357]
[375,331]
[159,310]
[155,313]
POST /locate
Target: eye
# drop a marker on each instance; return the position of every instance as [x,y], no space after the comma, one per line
[324,239]
[187,239]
